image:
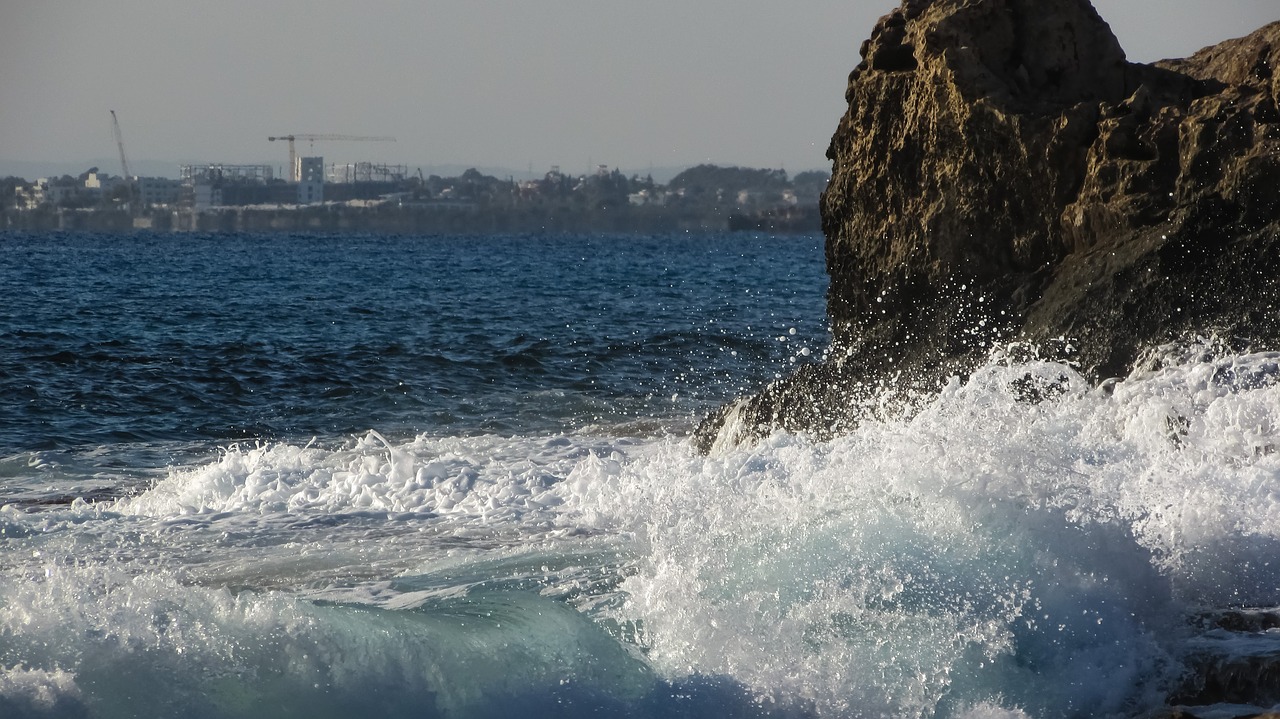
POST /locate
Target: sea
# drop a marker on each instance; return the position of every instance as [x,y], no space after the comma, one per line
[316,476]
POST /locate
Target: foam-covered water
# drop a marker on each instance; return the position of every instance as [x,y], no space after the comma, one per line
[987,551]
[1021,545]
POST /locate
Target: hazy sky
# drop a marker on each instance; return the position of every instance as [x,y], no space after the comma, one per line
[575,83]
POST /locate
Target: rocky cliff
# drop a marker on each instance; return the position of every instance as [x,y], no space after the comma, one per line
[1004,173]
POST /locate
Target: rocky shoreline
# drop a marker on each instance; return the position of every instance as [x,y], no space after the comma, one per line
[1004,174]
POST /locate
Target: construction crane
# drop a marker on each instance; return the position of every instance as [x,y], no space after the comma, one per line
[115,126]
[293,154]
[124,164]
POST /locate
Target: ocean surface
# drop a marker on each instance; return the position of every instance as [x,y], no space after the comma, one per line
[358,476]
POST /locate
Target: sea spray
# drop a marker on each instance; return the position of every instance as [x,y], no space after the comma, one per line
[990,547]
[1021,544]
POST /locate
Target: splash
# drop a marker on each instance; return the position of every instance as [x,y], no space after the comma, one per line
[1023,544]
[1022,540]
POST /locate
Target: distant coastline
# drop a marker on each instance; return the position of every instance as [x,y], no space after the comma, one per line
[705,198]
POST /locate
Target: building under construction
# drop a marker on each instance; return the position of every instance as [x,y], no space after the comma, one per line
[366,172]
[216,185]
[215,172]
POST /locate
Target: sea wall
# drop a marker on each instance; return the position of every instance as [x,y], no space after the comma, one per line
[1004,173]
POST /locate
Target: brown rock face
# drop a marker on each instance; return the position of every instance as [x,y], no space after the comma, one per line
[1004,173]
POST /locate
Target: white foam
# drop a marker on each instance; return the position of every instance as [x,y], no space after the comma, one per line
[487,477]
[984,546]
[37,690]
[980,556]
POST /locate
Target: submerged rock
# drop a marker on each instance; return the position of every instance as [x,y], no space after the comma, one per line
[1004,173]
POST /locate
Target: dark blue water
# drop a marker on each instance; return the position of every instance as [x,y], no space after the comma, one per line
[163,338]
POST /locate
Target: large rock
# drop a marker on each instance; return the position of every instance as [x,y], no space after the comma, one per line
[1004,173]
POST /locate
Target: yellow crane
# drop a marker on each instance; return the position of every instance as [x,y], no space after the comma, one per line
[293,154]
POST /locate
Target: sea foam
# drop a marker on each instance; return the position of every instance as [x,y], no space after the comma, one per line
[1023,544]
[995,548]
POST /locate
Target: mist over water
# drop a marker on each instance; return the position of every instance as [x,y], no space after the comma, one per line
[526,530]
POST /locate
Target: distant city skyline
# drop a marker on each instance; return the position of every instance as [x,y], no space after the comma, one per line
[575,83]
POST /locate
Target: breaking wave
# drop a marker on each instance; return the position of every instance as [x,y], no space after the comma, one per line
[1022,544]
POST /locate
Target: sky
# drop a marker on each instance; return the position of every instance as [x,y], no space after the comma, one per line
[517,85]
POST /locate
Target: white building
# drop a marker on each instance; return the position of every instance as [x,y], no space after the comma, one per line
[310,174]
[27,197]
[101,183]
[55,191]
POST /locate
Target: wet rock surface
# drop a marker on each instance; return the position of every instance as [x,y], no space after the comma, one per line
[1234,661]
[1004,173]
[1233,668]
